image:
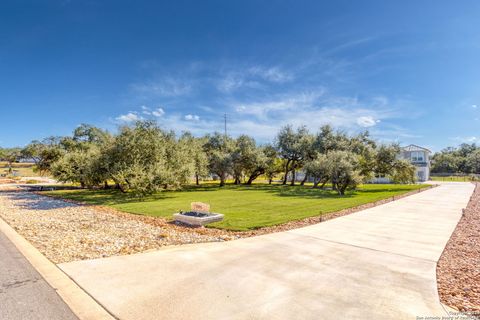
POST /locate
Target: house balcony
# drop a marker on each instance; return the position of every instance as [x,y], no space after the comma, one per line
[420,163]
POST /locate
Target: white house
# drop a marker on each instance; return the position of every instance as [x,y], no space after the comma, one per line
[420,158]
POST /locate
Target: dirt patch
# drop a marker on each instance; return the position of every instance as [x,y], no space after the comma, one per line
[458,270]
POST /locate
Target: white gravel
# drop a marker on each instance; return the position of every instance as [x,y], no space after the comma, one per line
[65,232]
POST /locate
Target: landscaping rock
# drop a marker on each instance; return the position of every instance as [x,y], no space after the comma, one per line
[65,231]
[458,270]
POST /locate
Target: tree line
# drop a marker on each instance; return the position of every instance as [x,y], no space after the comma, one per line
[143,158]
[465,159]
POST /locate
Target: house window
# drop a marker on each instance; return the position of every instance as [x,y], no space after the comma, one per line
[417,156]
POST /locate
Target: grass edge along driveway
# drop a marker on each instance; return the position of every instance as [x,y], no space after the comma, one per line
[244,207]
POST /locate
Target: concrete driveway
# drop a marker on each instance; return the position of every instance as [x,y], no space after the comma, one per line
[374,264]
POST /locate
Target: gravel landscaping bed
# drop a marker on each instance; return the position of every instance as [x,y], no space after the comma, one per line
[458,270]
[64,230]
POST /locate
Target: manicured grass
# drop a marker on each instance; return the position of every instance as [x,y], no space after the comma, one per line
[453,178]
[245,207]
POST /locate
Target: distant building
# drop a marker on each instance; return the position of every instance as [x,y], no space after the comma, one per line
[420,158]
[26,160]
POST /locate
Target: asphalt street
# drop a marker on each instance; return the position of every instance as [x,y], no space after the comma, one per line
[24,294]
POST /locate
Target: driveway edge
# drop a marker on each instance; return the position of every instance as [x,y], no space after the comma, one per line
[81,304]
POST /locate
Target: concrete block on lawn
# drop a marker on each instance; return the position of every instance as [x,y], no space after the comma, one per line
[197,219]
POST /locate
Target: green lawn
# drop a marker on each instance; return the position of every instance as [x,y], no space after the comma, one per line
[453,178]
[245,207]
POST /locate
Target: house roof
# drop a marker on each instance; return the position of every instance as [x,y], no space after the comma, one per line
[414,147]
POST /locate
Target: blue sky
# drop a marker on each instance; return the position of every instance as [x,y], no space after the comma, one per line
[408,71]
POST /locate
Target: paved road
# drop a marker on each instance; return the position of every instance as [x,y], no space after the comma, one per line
[24,294]
[378,263]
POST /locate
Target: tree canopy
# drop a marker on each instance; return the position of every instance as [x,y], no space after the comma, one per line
[142,158]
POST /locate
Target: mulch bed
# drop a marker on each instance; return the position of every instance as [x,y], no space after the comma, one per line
[458,270]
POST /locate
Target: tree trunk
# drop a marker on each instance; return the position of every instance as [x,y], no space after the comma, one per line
[304,180]
[292,183]
[222,180]
[287,170]
[255,175]
[105,185]
[197,179]
[252,178]
[270,181]
[334,185]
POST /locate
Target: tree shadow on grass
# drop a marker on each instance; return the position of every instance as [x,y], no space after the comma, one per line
[113,196]
[296,191]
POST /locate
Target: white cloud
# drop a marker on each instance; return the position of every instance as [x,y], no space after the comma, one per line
[165,87]
[240,108]
[255,77]
[192,117]
[367,121]
[262,118]
[234,81]
[282,104]
[259,104]
[146,110]
[474,106]
[273,74]
[149,112]
[158,112]
[129,117]
[230,83]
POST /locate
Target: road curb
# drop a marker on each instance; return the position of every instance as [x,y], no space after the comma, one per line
[81,304]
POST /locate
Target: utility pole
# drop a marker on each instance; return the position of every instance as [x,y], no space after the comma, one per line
[225,121]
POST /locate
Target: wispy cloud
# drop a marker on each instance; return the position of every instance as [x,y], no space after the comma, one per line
[164,87]
[367,121]
[266,109]
[192,117]
[234,81]
[157,112]
[272,74]
[350,43]
[259,99]
[253,77]
[129,117]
